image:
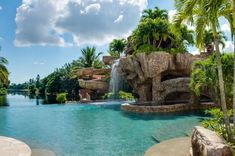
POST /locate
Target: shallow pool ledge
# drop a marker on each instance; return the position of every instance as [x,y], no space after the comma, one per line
[164,108]
[13,147]
[176,147]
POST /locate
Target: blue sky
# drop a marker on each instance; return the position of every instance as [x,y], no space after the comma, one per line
[44,34]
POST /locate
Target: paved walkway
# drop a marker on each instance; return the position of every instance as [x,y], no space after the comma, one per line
[13,147]
[42,152]
[173,147]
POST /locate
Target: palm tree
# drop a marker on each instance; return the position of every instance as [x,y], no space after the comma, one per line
[117,47]
[3,71]
[89,58]
[208,40]
[155,13]
[232,25]
[152,32]
[206,13]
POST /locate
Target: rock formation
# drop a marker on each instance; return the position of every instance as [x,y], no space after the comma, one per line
[93,82]
[159,77]
[207,143]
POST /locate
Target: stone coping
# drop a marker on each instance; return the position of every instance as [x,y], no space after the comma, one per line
[13,147]
[164,108]
[173,147]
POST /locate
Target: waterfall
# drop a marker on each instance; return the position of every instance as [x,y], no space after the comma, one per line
[116,80]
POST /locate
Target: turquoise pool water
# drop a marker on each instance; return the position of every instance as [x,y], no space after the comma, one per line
[88,130]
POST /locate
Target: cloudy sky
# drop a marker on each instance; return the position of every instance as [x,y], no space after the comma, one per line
[38,36]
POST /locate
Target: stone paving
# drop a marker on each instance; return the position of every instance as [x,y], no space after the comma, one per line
[173,147]
[13,147]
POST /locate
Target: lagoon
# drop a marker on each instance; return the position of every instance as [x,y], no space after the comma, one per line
[100,129]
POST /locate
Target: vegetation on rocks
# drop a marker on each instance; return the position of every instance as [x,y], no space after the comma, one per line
[205,75]
[61,97]
[156,33]
[117,47]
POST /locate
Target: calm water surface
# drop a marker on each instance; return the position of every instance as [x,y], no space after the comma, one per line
[88,130]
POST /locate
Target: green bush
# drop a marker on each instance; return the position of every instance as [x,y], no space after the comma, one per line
[205,75]
[126,96]
[3,91]
[216,122]
[121,95]
[109,95]
[61,97]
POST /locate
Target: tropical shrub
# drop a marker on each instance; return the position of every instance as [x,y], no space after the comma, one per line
[117,47]
[216,121]
[109,95]
[205,74]
[126,96]
[3,91]
[156,33]
[61,97]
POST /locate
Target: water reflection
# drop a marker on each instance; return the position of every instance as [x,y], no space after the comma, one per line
[3,100]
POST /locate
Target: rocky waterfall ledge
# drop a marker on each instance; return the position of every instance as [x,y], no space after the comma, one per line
[159,77]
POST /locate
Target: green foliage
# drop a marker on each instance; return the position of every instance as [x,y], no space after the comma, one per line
[156,33]
[154,13]
[121,95]
[204,74]
[61,97]
[216,121]
[117,47]
[3,71]
[203,14]
[126,96]
[89,58]
[32,87]
[3,91]
[109,95]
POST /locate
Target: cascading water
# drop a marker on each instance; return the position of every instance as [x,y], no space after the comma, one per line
[116,80]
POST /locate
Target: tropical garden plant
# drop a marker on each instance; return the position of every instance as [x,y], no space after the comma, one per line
[204,14]
[61,97]
[208,40]
[156,33]
[205,77]
[117,47]
[89,58]
[3,71]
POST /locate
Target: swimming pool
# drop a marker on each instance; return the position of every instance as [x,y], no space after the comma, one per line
[88,130]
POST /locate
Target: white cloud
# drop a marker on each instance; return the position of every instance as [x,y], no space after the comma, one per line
[225,28]
[47,22]
[171,15]
[1,8]
[119,19]
[229,46]
[38,63]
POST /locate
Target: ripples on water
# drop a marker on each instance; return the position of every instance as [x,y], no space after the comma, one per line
[101,129]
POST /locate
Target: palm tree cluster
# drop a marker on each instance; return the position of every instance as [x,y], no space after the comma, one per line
[117,47]
[89,58]
[3,71]
[204,14]
[155,32]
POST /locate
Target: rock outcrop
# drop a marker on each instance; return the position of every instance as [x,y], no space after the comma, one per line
[207,143]
[159,76]
[93,82]
[109,60]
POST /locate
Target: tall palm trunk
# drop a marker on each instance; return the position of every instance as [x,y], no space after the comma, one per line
[221,84]
[233,31]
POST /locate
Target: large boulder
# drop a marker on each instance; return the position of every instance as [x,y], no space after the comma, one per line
[208,143]
[94,85]
[89,72]
[109,60]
